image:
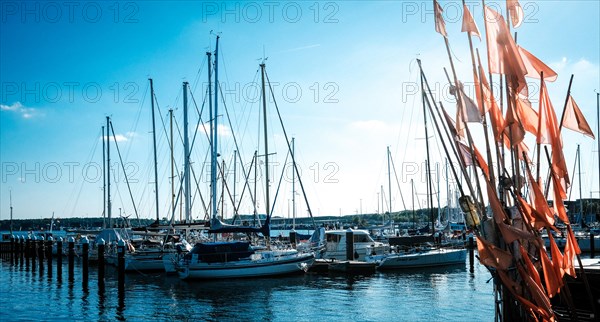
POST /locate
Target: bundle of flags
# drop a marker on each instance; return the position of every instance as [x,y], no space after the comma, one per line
[530,272]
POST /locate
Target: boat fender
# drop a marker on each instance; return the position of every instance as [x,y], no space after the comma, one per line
[356,255]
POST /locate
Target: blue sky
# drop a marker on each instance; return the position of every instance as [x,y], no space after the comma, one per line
[344,72]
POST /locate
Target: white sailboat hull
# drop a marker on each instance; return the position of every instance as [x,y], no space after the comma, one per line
[252,267]
[428,258]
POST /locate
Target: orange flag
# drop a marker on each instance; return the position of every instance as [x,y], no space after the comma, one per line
[527,115]
[557,257]
[480,161]
[568,258]
[541,205]
[571,236]
[575,120]
[514,129]
[534,66]
[468,23]
[496,117]
[549,133]
[536,219]
[503,54]
[553,282]
[559,196]
[490,255]
[537,293]
[516,12]
[515,289]
[440,24]
[451,124]
[530,267]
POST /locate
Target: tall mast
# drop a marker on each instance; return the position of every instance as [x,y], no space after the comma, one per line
[172,166]
[214,137]
[598,135]
[293,185]
[103,180]
[154,145]
[389,181]
[428,167]
[186,151]
[108,204]
[412,186]
[234,181]
[267,201]
[11,211]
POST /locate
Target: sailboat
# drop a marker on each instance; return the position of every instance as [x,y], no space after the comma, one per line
[239,259]
[426,255]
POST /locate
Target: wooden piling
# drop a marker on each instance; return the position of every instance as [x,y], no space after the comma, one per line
[85,255]
[49,244]
[121,264]
[71,257]
[101,260]
[21,250]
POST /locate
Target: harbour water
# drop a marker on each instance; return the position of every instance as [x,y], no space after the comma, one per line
[454,293]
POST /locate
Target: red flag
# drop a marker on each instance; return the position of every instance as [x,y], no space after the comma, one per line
[575,120]
[516,12]
[468,23]
[503,54]
[534,66]
[440,24]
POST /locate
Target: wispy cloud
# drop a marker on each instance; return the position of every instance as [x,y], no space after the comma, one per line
[118,137]
[17,107]
[222,130]
[299,48]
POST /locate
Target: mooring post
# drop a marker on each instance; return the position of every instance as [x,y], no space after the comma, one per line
[49,243]
[71,247]
[41,253]
[85,255]
[59,253]
[471,242]
[100,260]
[12,249]
[349,244]
[121,264]
[21,250]
[33,252]
[27,251]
